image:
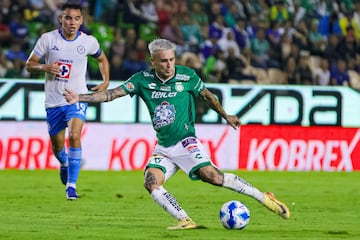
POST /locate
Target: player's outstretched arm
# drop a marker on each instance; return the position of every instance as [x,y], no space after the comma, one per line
[105,96]
[214,104]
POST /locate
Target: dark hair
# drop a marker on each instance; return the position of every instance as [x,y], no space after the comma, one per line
[71,5]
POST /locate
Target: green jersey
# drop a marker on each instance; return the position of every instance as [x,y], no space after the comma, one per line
[171,104]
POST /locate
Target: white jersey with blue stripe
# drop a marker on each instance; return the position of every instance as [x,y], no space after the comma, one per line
[71,56]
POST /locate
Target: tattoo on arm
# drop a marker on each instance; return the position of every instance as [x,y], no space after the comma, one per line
[212,102]
[106,96]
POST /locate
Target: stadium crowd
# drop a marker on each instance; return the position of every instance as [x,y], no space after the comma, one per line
[305,42]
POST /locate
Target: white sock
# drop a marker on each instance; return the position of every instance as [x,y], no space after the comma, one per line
[168,203]
[238,184]
[73,185]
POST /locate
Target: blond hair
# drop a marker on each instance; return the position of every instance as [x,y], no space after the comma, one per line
[160,44]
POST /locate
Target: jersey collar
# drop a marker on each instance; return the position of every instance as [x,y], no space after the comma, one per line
[61,34]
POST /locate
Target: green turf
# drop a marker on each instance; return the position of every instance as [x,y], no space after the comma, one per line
[114,205]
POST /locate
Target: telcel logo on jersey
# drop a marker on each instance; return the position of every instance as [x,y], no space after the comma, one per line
[157,95]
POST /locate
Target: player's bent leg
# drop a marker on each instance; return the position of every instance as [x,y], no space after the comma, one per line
[59,151]
[154,179]
[74,156]
[269,200]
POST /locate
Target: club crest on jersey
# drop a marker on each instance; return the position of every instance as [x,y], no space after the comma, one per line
[179,87]
[130,86]
[164,114]
[81,49]
[65,70]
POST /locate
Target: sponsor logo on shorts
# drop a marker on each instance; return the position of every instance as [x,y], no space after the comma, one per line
[187,141]
[193,149]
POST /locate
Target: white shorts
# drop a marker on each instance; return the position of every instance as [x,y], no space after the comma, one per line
[188,155]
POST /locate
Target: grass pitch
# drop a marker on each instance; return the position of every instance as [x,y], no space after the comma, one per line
[114,205]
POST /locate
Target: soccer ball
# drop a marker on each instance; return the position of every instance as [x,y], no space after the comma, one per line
[234,215]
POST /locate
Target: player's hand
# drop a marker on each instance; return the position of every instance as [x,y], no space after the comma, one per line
[51,68]
[233,121]
[101,87]
[71,96]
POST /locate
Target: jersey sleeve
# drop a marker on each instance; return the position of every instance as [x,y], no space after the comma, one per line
[95,49]
[41,46]
[131,86]
[198,84]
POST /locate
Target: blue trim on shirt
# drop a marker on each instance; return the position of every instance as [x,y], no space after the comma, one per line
[77,35]
[97,54]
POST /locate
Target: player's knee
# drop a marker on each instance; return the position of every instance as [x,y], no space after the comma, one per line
[151,182]
[211,175]
[74,136]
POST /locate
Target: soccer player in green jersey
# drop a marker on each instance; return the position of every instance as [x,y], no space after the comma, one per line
[169,92]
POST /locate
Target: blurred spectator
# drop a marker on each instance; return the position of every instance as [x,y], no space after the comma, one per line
[118,45]
[304,74]
[132,64]
[252,26]
[17,57]
[213,9]
[231,14]
[301,36]
[356,17]
[348,47]
[132,14]
[339,74]
[209,46]
[19,31]
[237,68]
[228,42]
[241,36]
[348,21]
[215,69]
[5,64]
[7,11]
[199,16]
[278,12]
[217,27]
[303,10]
[5,34]
[260,9]
[144,9]
[15,52]
[274,36]
[287,32]
[331,50]
[116,67]
[260,48]
[192,60]
[44,10]
[294,53]
[322,74]
[172,32]
[290,71]
[191,33]
[317,41]
[163,10]
[141,49]
[130,40]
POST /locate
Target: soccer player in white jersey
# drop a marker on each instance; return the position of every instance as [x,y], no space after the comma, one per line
[169,92]
[62,54]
